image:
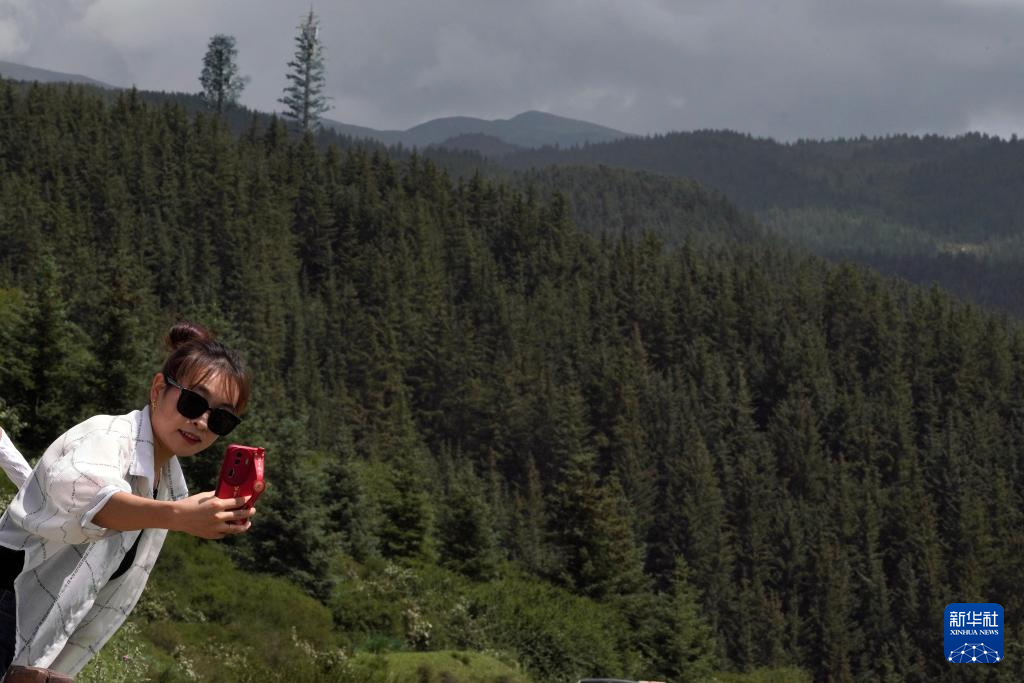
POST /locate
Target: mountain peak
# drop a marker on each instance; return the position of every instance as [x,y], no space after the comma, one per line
[529,129]
[533,114]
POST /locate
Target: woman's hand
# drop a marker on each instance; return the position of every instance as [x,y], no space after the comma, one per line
[207,516]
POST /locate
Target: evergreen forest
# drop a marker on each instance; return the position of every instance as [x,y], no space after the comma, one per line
[929,209]
[508,420]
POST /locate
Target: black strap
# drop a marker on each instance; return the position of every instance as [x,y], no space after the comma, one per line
[129,558]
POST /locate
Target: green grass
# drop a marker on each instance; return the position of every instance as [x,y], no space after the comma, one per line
[765,675]
[445,666]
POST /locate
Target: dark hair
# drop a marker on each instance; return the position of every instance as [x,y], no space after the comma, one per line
[195,354]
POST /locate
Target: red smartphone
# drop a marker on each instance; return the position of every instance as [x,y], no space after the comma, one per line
[241,473]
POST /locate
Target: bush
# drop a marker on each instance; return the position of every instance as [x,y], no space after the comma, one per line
[556,635]
[195,581]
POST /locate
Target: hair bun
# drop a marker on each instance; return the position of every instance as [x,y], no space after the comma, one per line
[184,332]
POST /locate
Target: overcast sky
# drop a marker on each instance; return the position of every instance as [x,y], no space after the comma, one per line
[782,68]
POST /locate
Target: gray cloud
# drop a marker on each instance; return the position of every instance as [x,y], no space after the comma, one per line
[781,68]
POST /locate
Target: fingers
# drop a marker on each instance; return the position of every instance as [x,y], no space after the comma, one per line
[236,513]
[221,517]
[234,528]
[223,503]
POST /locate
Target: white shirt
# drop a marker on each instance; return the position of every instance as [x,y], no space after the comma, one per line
[12,462]
[67,606]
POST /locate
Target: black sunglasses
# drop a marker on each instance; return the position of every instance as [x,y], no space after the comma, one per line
[192,405]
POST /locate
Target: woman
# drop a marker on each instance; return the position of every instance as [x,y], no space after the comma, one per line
[87,526]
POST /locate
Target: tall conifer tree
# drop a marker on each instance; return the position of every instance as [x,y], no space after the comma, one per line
[304,97]
[222,84]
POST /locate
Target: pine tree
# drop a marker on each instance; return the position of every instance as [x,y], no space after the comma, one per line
[61,364]
[528,542]
[304,530]
[304,98]
[220,79]
[465,530]
[15,368]
[350,513]
[687,649]
[593,529]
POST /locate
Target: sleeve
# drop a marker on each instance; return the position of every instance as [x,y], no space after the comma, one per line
[13,462]
[64,493]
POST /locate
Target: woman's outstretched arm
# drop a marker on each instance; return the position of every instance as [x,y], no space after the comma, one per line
[12,461]
[202,515]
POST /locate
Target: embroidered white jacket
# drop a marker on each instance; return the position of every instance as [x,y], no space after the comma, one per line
[67,606]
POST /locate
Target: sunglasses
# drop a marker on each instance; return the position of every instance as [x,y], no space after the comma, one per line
[192,405]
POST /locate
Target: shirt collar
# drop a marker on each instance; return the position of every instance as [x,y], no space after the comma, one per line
[144,463]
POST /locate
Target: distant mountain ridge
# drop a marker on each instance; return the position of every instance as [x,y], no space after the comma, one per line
[20,72]
[531,129]
[928,209]
[961,189]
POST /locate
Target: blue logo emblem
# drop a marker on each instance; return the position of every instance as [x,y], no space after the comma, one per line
[974,633]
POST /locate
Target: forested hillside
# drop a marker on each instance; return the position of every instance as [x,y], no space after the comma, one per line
[492,431]
[962,188]
[927,208]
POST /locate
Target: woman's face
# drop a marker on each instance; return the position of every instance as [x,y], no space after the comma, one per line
[176,434]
